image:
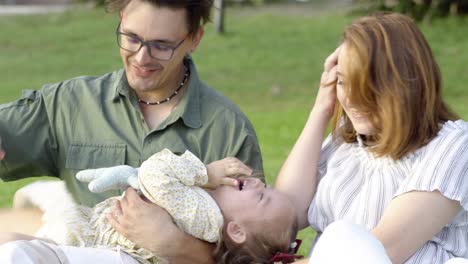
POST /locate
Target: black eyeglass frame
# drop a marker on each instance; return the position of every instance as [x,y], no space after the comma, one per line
[147,44]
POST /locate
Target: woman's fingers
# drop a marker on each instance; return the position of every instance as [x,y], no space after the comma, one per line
[329,77]
[331,60]
[329,74]
[332,74]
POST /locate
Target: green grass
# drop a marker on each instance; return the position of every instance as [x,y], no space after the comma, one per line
[260,50]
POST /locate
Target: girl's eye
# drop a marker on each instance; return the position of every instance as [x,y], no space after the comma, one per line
[339,82]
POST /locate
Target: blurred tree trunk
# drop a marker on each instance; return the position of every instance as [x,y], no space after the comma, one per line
[422,10]
[219,15]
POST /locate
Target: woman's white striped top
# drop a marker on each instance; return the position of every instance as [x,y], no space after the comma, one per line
[356,186]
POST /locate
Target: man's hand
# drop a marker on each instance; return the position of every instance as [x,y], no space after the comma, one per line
[151,227]
[224,172]
[144,223]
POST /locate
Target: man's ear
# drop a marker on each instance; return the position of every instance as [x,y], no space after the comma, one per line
[196,38]
[236,232]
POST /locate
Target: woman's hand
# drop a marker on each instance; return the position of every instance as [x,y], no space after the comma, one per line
[224,172]
[326,96]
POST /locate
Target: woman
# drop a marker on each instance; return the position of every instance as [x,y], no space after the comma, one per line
[396,163]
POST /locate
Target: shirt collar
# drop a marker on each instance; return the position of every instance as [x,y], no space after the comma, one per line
[188,109]
[189,106]
[121,86]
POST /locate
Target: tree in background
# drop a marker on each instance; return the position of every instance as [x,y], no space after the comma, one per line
[219,15]
[421,9]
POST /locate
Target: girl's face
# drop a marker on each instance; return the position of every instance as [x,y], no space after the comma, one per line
[252,202]
[360,120]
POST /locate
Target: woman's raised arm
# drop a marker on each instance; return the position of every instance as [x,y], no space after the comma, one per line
[297,177]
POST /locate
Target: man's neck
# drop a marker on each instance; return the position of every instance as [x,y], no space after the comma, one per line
[165,88]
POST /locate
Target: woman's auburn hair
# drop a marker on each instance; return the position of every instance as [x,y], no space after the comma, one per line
[391,75]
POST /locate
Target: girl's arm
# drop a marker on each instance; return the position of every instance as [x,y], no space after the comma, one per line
[298,176]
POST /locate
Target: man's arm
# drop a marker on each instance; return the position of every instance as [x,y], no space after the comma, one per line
[189,250]
[28,143]
[151,227]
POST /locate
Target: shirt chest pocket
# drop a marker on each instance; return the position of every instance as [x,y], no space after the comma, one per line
[92,156]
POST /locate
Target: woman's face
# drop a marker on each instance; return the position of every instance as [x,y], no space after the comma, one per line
[360,120]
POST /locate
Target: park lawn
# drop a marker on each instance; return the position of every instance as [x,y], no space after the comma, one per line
[268,63]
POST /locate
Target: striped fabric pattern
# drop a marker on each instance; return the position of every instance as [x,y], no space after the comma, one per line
[356,186]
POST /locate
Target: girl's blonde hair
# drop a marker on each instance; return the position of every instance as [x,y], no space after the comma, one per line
[391,75]
[259,247]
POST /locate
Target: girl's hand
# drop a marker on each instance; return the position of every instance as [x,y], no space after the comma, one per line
[225,172]
[326,96]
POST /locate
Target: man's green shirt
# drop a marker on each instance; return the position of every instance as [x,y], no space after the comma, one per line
[94,122]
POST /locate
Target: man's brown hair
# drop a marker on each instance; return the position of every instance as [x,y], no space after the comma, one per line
[198,11]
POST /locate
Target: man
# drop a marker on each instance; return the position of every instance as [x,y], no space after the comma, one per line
[124,117]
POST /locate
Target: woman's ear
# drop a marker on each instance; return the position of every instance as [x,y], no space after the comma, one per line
[236,232]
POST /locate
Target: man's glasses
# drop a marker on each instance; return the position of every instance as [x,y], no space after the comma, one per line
[156,49]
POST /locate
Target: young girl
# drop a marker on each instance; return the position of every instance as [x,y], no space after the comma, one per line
[249,222]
